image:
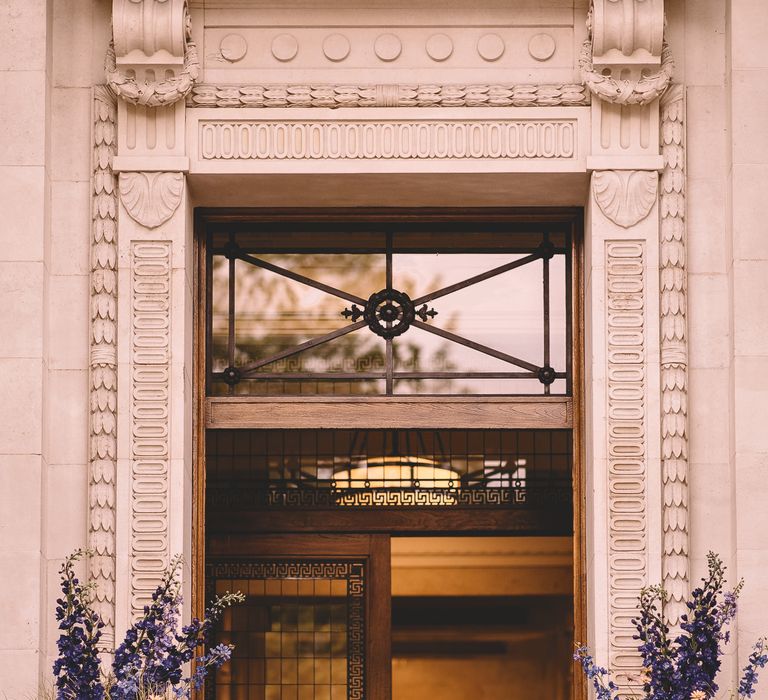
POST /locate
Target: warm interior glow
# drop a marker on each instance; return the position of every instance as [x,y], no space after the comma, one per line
[397,471]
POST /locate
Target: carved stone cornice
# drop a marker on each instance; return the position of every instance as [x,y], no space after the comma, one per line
[625,60]
[333,96]
[151,61]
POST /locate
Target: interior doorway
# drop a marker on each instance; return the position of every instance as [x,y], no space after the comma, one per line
[332,617]
[393,483]
[486,618]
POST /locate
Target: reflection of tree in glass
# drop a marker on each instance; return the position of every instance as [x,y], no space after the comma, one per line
[274,313]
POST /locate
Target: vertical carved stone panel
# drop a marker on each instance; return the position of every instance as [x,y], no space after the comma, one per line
[150,403]
[627,447]
[103,364]
[674,354]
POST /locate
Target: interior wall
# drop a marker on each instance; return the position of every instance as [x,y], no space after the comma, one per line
[482,617]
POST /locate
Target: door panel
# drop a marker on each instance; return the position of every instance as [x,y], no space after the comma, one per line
[316,621]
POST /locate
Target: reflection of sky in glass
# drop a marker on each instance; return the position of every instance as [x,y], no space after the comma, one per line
[505,312]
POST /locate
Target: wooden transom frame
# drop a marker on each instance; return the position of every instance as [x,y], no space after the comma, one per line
[386,412]
[429,411]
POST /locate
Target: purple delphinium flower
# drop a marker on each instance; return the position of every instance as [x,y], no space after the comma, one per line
[151,659]
[757,659]
[685,668]
[605,688]
[77,669]
[654,647]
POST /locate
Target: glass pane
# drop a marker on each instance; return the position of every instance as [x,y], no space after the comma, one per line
[274,313]
[219,313]
[293,306]
[292,634]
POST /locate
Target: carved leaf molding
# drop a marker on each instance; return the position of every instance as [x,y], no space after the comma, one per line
[151,198]
[626,197]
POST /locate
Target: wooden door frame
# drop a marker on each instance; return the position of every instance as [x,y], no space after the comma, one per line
[573,409]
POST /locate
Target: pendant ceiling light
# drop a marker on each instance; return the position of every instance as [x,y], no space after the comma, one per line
[400,468]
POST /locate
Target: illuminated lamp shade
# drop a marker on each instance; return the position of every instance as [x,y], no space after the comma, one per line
[400,472]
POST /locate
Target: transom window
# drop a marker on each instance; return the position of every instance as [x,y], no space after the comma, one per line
[366,310]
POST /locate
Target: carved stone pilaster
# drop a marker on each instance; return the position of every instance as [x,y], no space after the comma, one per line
[674,354]
[150,370]
[626,299]
[103,365]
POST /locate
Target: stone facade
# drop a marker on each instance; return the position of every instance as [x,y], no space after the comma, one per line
[646,113]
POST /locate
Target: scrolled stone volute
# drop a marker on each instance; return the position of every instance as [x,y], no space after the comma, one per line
[627,32]
[151,61]
[626,60]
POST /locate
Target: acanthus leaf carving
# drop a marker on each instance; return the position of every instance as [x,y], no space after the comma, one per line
[151,198]
[626,197]
[337,96]
[674,355]
[103,366]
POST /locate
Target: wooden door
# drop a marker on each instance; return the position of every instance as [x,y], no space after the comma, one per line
[316,621]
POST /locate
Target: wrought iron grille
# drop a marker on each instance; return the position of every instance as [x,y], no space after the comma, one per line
[300,634]
[336,469]
[465,310]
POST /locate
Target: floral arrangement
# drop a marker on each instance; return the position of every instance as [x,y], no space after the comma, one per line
[152,658]
[684,667]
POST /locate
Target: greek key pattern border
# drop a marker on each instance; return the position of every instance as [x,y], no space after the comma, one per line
[353,572]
